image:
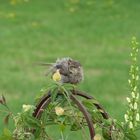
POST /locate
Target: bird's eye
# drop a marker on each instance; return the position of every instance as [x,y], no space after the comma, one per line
[58,66]
[70,72]
[72,66]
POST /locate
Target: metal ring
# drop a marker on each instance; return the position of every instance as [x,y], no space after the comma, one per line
[45,101]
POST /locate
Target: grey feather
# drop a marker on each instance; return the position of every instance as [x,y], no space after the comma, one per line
[71,70]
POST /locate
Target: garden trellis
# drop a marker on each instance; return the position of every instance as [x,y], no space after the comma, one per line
[44,102]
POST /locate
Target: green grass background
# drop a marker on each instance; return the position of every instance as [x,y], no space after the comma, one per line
[97,33]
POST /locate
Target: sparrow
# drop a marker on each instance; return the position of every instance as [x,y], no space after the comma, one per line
[66,70]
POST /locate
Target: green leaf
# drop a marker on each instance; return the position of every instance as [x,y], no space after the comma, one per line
[7,135]
[131,136]
[32,122]
[75,126]
[108,122]
[61,118]
[96,116]
[88,104]
[62,127]
[106,133]
[37,132]
[54,94]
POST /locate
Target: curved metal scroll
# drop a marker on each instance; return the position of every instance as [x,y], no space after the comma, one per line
[98,106]
[44,102]
[87,116]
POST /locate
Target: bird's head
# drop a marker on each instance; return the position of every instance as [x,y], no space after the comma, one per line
[74,66]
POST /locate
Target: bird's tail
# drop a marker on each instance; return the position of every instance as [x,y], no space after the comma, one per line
[44,64]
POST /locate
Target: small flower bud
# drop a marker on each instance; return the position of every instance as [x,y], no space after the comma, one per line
[135,88]
[131,125]
[126,117]
[135,106]
[137,97]
[137,117]
[59,111]
[131,106]
[137,77]
[135,59]
[97,137]
[131,118]
[128,99]
[133,77]
[129,81]
[122,123]
[42,90]
[133,94]
[132,66]
[137,68]
[27,107]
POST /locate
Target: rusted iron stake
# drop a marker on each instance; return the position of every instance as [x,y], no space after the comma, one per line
[86,114]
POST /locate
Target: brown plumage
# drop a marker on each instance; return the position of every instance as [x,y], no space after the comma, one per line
[71,70]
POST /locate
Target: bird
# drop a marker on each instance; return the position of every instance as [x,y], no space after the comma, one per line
[65,70]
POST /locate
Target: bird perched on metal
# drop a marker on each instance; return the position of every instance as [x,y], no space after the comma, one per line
[66,70]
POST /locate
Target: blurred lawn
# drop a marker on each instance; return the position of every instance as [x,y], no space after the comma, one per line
[97,33]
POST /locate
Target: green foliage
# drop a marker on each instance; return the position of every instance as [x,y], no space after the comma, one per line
[62,112]
[34,27]
[6,135]
[29,33]
[132,117]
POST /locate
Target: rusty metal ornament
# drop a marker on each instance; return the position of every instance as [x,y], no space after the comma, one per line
[46,100]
